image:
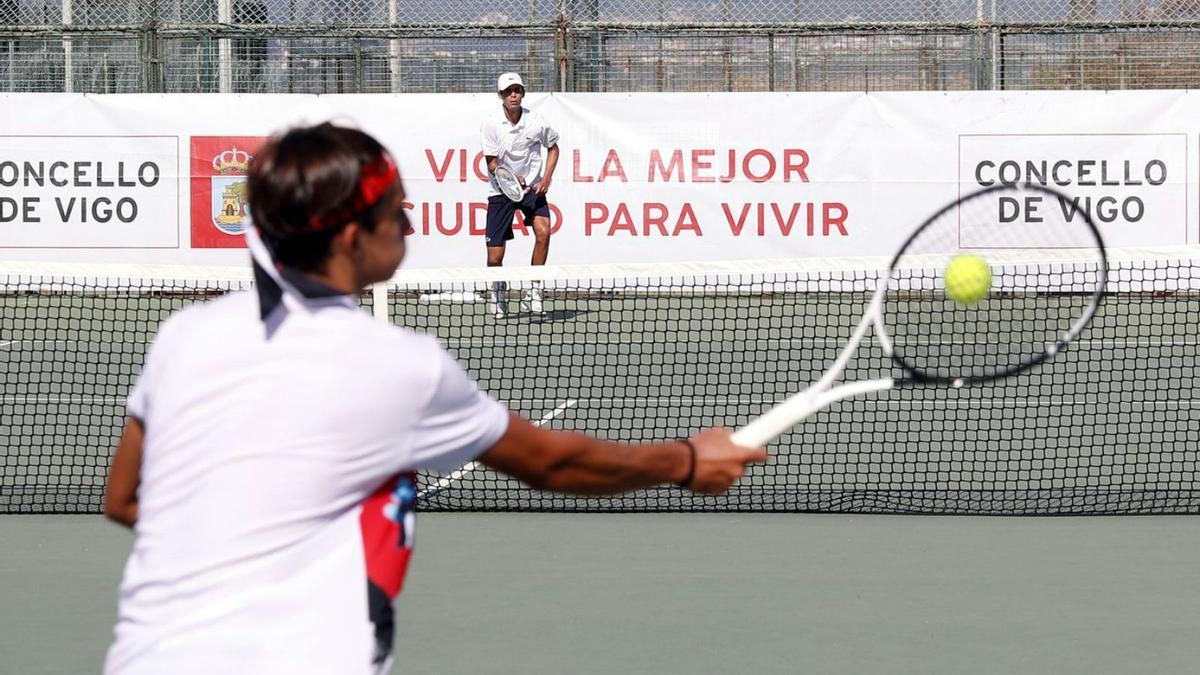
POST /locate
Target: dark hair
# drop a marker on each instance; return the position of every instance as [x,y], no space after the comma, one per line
[302,176]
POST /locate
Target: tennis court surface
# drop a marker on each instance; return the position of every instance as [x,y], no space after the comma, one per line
[1108,427]
[596,594]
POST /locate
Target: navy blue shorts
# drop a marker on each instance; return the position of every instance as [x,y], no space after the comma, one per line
[501,211]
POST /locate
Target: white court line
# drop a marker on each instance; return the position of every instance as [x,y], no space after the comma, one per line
[75,343]
[503,342]
[964,401]
[632,340]
[83,400]
[454,477]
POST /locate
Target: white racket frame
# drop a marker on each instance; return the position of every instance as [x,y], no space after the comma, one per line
[505,185]
[821,393]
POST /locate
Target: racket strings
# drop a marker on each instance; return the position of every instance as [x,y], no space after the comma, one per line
[1043,277]
[509,184]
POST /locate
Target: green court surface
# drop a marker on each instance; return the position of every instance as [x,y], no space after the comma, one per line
[1109,426]
[707,593]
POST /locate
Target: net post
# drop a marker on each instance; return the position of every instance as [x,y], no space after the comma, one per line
[379,301]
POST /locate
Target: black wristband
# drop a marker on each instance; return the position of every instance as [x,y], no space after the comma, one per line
[691,465]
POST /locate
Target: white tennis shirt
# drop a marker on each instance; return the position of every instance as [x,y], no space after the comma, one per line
[258,454]
[518,146]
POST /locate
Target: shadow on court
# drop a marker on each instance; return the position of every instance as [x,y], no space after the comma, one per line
[551,315]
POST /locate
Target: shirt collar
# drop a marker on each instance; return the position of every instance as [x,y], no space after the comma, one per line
[274,284]
[504,117]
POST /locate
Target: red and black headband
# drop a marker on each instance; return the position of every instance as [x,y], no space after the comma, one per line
[377,178]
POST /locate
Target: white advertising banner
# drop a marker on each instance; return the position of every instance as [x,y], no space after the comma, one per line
[72,192]
[641,178]
[1131,185]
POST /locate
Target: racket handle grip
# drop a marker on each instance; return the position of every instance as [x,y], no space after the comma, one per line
[773,423]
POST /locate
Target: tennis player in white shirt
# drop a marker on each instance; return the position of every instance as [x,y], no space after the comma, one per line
[514,137]
[267,461]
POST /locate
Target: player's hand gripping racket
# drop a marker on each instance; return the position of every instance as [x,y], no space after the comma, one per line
[1035,277]
[510,186]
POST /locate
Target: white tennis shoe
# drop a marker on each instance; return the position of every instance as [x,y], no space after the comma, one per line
[532,301]
[498,299]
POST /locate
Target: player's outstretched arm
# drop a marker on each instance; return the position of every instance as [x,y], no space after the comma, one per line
[564,461]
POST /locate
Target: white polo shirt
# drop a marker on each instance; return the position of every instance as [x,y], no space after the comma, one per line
[518,146]
[258,455]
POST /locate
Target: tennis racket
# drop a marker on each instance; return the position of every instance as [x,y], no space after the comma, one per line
[510,186]
[1048,272]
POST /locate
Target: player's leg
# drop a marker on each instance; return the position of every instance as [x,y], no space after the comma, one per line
[498,293]
[499,230]
[541,228]
[541,240]
[495,255]
[537,212]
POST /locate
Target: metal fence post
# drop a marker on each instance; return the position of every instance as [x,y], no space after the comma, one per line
[68,19]
[997,59]
[586,12]
[148,53]
[727,48]
[560,61]
[150,50]
[359,77]
[771,62]
[396,82]
[224,48]
[562,51]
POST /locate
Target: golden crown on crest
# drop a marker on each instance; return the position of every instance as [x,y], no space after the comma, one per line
[232,161]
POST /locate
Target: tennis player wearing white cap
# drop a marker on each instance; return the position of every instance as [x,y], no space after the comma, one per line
[514,139]
[267,461]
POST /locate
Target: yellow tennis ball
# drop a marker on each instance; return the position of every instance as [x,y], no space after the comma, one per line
[968,279]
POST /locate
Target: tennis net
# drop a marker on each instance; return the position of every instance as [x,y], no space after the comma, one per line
[637,353]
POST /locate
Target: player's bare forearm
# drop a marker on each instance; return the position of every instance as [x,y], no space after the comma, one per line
[543,185]
[551,161]
[569,462]
[563,461]
[124,476]
[493,161]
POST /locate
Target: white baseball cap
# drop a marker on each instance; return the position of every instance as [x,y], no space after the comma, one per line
[507,80]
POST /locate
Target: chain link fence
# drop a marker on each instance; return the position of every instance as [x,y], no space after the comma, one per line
[344,46]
